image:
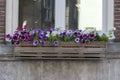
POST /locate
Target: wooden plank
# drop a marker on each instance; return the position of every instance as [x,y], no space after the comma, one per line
[59,52]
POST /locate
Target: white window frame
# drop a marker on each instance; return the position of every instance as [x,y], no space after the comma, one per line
[12,10]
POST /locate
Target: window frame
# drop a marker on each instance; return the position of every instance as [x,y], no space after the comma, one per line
[12,10]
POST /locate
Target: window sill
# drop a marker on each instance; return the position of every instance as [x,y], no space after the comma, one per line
[113,47]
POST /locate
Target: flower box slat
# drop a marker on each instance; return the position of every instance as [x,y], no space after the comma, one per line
[95,44]
[88,51]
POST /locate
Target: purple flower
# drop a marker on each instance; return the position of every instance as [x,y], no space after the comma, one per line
[41,33]
[61,35]
[45,37]
[77,40]
[81,37]
[69,33]
[8,36]
[78,33]
[35,43]
[23,32]
[42,42]
[84,35]
[56,43]
[20,29]
[64,33]
[51,30]
[17,42]
[27,38]
[87,41]
[25,26]
[33,31]
[92,36]
[23,37]
[83,41]
[33,35]
[15,37]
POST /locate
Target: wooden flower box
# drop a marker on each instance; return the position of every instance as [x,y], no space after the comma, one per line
[66,50]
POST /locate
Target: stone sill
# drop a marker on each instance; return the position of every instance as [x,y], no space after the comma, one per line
[7,50]
[113,47]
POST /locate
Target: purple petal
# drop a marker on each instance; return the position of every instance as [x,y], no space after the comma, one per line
[83,41]
[17,43]
[92,36]
[23,37]
[35,43]
[84,35]
[56,43]
[77,40]
[20,29]
[15,38]
[8,36]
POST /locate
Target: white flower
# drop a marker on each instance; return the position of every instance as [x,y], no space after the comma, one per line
[54,33]
[69,32]
[48,34]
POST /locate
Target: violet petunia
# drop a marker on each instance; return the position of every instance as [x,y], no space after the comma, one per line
[15,38]
[20,29]
[84,35]
[77,40]
[8,36]
[23,37]
[35,43]
[56,43]
[91,36]
[17,43]
[22,32]
[83,41]
[42,42]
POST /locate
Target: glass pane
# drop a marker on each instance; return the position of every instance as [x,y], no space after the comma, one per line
[84,13]
[38,13]
[91,14]
[71,14]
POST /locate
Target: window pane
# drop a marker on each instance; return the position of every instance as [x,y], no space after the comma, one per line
[84,13]
[91,14]
[71,14]
[38,13]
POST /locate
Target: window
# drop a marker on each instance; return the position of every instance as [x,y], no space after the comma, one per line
[71,14]
[63,14]
[91,14]
[38,13]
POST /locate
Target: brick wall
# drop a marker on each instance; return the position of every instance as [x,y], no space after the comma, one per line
[2,20]
[117,19]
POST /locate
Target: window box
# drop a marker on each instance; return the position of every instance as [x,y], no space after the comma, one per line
[66,50]
[56,43]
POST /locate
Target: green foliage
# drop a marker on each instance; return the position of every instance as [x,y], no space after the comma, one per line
[102,38]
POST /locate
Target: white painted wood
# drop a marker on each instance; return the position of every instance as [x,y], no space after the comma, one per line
[15,14]
[110,14]
[8,16]
[60,14]
[11,16]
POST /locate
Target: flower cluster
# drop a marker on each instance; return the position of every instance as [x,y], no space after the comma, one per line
[39,37]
